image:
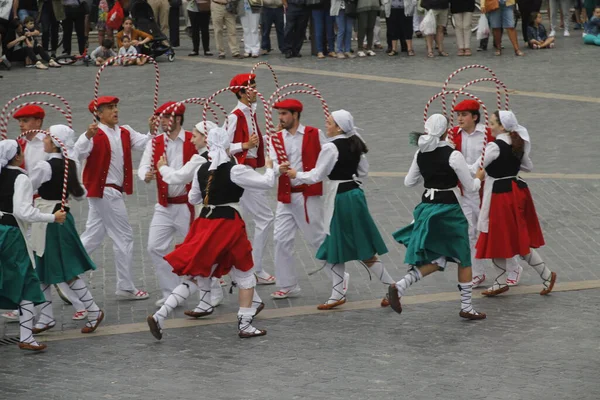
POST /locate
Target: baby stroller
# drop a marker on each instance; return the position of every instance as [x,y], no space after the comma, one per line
[143,18]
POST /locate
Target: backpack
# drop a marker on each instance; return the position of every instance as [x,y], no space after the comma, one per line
[115,17]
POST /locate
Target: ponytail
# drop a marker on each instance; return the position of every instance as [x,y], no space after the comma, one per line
[518,145]
[211,175]
[73,185]
[357,146]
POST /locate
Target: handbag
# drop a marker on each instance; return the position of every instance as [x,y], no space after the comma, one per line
[491,5]
[115,17]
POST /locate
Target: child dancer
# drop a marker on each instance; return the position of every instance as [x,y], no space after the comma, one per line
[440,231]
[19,284]
[508,221]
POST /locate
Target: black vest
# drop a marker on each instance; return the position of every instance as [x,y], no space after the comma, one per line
[507,164]
[52,190]
[7,190]
[222,190]
[205,154]
[438,174]
[345,167]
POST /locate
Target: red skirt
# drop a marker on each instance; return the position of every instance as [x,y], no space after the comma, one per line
[513,226]
[209,242]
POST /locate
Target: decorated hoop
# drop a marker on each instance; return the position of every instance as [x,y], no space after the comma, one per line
[498,94]
[39,103]
[63,202]
[458,71]
[119,58]
[5,117]
[258,64]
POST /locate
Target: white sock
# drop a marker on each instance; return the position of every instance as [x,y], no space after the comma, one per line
[175,299]
[500,266]
[380,272]
[466,293]
[414,275]
[256,300]
[44,310]
[216,292]
[26,322]
[204,289]
[82,292]
[338,291]
[245,317]
[66,289]
[536,262]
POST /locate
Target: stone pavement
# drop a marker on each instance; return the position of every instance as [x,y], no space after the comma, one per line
[386,96]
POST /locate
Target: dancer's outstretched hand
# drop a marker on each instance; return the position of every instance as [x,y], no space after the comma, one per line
[92,130]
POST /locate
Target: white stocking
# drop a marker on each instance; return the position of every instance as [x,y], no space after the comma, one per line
[44,310]
[204,286]
[413,276]
[338,288]
[26,322]
[66,289]
[256,300]
[245,317]
[466,293]
[381,273]
[175,299]
[500,264]
[84,295]
[536,262]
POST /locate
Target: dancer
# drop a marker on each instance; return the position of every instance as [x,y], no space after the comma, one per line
[108,173]
[217,243]
[248,148]
[350,229]
[299,206]
[59,255]
[508,221]
[173,213]
[440,231]
[19,284]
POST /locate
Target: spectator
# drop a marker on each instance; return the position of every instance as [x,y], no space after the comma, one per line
[220,16]
[565,6]
[269,15]
[527,8]
[592,29]
[199,15]
[344,24]
[538,38]
[104,32]
[6,14]
[20,45]
[440,11]
[26,8]
[129,50]
[51,11]
[462,11]
[323,27]
[75,13]
[400,25]
[138,38]
[502,18]
[103,53]
[173,22]
[250,18]
[367,13]
[161,13]
[294,33]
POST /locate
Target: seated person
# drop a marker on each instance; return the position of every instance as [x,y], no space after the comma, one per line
[537,37]
[103,53]
[591,34]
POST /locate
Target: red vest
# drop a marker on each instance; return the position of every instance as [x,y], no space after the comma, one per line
[241,135]
[98,162]
[311,147]
[23,143]
[457,139]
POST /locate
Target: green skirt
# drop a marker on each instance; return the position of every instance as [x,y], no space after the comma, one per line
[18,280]
[352,233]
[64,257]
[439,230]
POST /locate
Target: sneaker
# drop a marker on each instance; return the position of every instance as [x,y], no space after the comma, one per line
[478,280]
[221,56]
[349,55]
[40,65]
[264,52]
[79,315]
[362,53]
[134,294]
[371,53]
[566,33]
[247,55]
[341,56]
[514,277]
[11,316]
[552,33]
[5,62]
[284,294]
[53,64]
[320,55]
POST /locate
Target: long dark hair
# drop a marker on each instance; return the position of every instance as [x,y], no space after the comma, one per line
[73,185]
[357,146]
[518,144]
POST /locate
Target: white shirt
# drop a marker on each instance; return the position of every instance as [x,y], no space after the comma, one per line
[174,150]
[184,175]
[84,147]
[457,163]
[34,152]
[327,158]
[293,149]
[22,205]
[232,124]
[241,175]
[42,173]
[472,147]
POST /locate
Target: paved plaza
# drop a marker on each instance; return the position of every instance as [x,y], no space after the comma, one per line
[530,347]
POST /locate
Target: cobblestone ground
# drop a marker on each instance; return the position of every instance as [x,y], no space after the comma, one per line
[557,102]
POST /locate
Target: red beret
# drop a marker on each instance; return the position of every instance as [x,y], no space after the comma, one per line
[102,101]
[241,80]
[289,104]
[467,105]
[180,110]
[30,111]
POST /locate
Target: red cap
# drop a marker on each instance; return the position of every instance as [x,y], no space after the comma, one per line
[467,105]
[102,101]
[179,110]
[289,104]
[30,111]
[241,80]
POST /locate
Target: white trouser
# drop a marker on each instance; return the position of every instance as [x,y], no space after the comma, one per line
[256,203]
[417,18]
[377,31]
[251,35]
[108,215]
[470,206]
[288,218]
[166,222]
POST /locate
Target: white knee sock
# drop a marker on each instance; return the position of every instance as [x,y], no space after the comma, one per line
[413,276]
[71,295]
[535,261]
[245,317]
[26,322]
[256,300]
[44,310]
[82,292]
[500,266]
[380,272]
[338,289]
[175,299]
[204,289]
[466,292]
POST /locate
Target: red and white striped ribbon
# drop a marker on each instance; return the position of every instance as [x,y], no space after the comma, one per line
[5,117]
[258,64]
[39,103]
[458,71]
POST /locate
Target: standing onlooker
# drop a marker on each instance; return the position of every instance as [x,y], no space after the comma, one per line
[199,15]
[368,10]
[536,33]
[417,18]
[174,10]
[75,13]
[220,16]
[104,6]
[565,7]
[462,11]
[440,11]
[161,13]
[185,4]
[51,11]
[294,32]
[399,26]
[26,8]
[528,7]
[250,19]
[501,18]
[269,15]
[344,24]
[323,27]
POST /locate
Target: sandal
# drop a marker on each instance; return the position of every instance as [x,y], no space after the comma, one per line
[443,53]
[411,53]
[519,53]
[430,54]
[498,52]
[461,52]
[468,53]
[392,53]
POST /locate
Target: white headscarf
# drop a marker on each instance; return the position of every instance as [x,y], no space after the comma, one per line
[510,124]
[345,121]
[435,127]
[205,126]
[64,134]
[8,151]
[218,143]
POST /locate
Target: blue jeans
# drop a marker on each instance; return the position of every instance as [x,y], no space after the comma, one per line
[268,17]
[324,25]
[344,35]
[27,13]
